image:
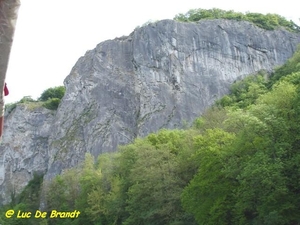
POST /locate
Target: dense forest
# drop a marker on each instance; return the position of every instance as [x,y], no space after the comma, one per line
[238,164]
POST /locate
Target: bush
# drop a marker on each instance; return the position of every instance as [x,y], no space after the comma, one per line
[52,96]
[52,103]
[56,92]
[10,107]
[26,99]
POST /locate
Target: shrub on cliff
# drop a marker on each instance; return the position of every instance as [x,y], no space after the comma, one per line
[55,92]
[52,103]
[52,96]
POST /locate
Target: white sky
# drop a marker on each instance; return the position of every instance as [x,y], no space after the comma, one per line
[52,34]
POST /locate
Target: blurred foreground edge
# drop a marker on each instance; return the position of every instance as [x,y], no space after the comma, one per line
[8,18]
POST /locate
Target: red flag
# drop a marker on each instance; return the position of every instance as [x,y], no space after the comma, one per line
[6,92]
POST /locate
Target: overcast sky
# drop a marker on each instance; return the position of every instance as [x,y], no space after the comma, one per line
[52,34]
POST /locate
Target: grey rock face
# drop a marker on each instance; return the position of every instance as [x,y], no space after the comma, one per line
[24,150]
[161,76]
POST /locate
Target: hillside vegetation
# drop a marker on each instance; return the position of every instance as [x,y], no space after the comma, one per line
[50,99]
[238,164]
[268,21]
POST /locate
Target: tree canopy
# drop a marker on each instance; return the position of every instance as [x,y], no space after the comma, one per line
[268,21]
[51,97]
[55,92]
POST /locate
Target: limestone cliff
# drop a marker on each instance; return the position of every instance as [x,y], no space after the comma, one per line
[162,75]
[24,150]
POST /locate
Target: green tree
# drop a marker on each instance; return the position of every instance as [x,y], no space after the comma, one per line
[31,193]
[89,179]
[245,92]
[61,195]
[55,92]
[213,117]
[154,197]
[104,200]
[250,179]
[260,157]
[208,195]
[291,66]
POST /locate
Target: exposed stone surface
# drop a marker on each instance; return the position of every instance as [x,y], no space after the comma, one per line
[162,75]
[25,147]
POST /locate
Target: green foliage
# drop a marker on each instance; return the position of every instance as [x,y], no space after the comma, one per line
[248,180]
[238,164]
[52,96]
[214,117]
[27,201]
[208,194]
[31,193]
[55,92]
[291,66]
[26,99]
[140,184]
[245,92]
[10,107]
[68,192]
[100,190]
[153,171]
[16,221]
[268,21]
[52,103]
[154,196]
[49,99]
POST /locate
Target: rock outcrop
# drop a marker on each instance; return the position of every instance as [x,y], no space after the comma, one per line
[160,76]
[24,150]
